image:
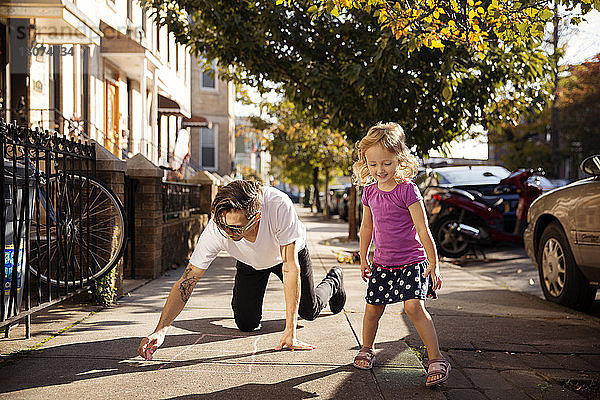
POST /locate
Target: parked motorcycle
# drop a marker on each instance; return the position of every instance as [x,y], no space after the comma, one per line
[463,215]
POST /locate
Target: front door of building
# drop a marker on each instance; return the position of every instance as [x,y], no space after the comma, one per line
[111,116]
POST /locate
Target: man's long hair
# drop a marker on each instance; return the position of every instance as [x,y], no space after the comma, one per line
[238,195]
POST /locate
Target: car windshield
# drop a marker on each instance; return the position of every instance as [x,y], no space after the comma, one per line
[475,175]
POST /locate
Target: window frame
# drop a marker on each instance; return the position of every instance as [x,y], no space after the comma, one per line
[215,79]
[215,131]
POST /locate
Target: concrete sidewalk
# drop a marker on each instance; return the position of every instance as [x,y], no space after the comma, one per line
[501,344]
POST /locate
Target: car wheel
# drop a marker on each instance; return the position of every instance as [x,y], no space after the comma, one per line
[561,280]
[450,242]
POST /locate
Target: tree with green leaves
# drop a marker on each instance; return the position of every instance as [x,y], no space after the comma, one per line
[477,24]
[303,151]
[579,111]
[524,145]
[348,74]
[528,143]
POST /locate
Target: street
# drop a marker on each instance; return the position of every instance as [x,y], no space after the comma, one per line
[510,267]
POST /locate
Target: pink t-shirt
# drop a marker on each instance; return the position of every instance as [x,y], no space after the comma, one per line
[394,233]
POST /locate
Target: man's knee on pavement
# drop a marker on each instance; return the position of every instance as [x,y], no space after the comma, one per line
[247,326]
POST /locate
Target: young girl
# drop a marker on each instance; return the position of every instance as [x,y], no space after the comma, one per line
[405,264]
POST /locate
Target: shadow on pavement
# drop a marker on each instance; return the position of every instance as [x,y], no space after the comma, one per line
[202,326]
[115,362]
[288,389]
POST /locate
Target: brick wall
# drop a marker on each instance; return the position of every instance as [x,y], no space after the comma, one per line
[148,227]
[158,244]
[179,237]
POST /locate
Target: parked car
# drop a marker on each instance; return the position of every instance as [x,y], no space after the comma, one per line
[563,239]
[345,204]
[294,195]
[469,205]
[336,198]
[482,179]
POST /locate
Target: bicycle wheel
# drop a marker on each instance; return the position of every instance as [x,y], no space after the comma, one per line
[77,231]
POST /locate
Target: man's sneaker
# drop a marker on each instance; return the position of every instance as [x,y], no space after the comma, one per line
[337,301]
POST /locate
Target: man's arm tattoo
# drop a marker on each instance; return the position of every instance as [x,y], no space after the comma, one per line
[187,284]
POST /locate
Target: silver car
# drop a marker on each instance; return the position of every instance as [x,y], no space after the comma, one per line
[563,239]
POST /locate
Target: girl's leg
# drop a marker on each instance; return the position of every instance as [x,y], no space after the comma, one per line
[370,324]
[415,309]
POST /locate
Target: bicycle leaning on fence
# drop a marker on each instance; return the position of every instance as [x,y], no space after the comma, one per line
[77,228]
[80,224]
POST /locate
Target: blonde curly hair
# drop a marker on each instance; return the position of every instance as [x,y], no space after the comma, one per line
[391,137]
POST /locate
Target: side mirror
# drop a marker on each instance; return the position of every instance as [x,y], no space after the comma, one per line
[591,165]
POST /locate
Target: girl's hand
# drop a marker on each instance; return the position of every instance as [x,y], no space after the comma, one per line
[365,271]
[433,272]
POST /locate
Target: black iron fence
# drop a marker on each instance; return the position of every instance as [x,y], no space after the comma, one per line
[180,199]
[62,228]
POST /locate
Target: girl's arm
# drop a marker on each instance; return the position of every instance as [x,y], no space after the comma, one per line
[366,235]
[417,213]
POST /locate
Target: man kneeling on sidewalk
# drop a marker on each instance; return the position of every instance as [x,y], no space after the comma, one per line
[259,227]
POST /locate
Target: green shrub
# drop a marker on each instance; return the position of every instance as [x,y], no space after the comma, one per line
[104,290]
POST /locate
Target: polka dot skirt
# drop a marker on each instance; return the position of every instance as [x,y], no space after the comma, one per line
[389,285]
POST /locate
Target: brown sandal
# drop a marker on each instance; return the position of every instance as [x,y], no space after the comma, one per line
[365,355]
[438,366]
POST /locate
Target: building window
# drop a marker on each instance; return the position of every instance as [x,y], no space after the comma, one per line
[209,77]
[208,147]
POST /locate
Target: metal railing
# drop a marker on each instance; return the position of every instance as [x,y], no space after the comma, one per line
[180,199]
[55,120]
[39,169]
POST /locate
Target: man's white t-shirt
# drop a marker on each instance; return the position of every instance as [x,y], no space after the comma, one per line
[279,226]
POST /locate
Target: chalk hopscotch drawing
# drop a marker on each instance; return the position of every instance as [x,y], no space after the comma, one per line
[205,335]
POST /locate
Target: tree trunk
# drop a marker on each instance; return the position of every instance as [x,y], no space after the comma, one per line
[306,200]
[316,200]
[326,195]
[555,140]
[352,214]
